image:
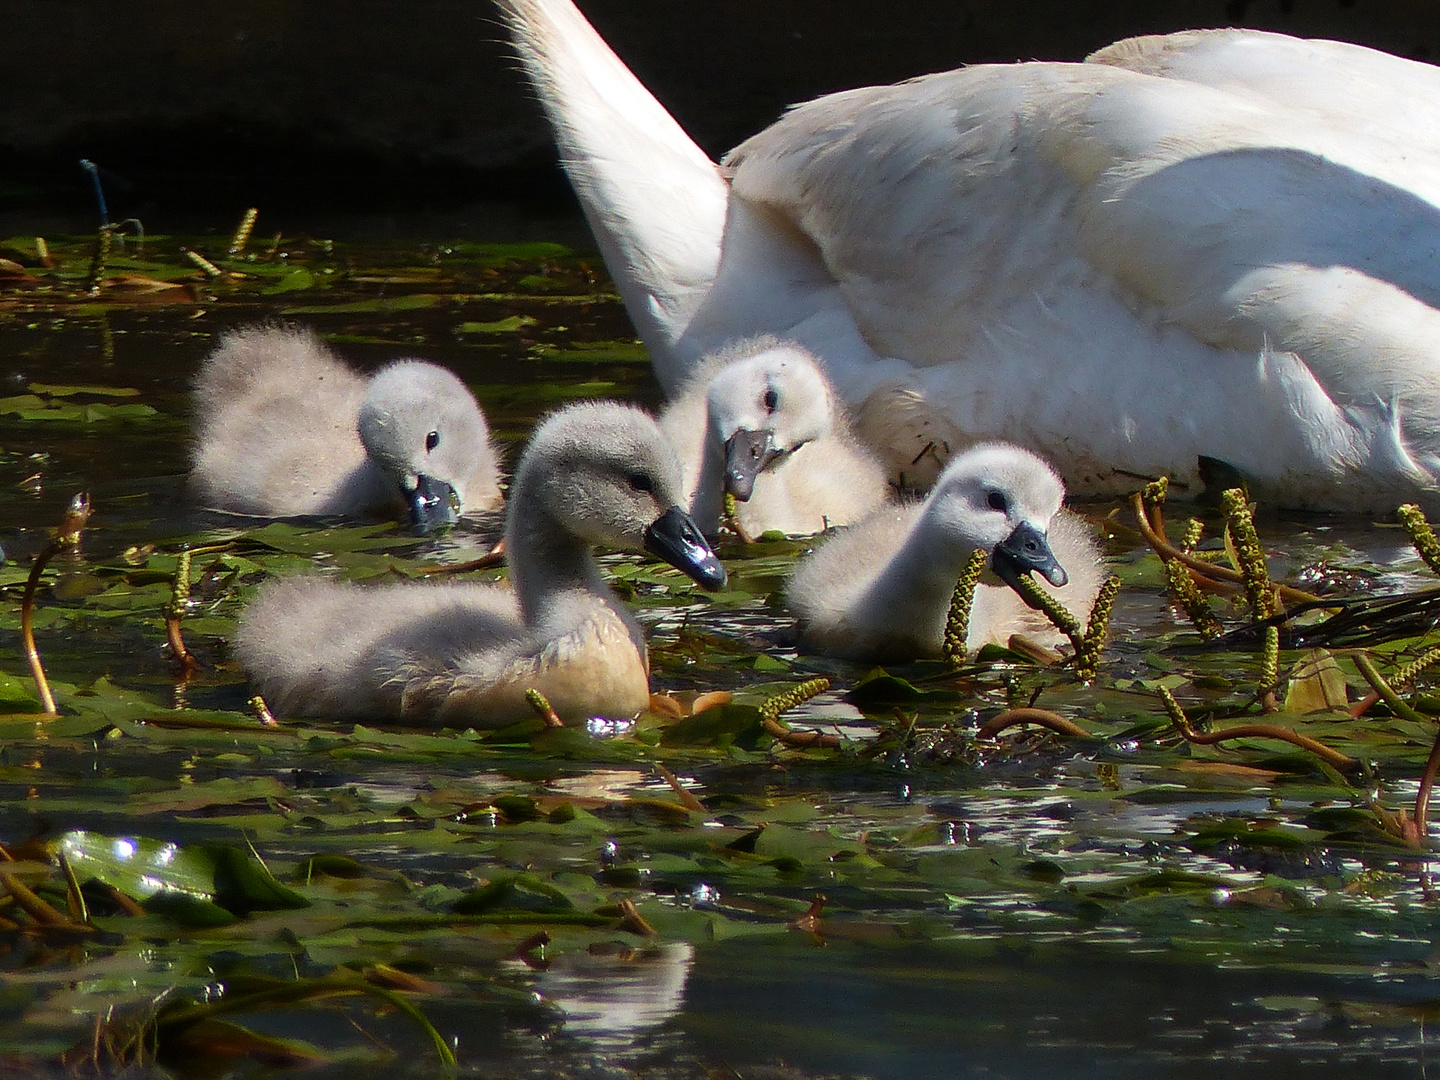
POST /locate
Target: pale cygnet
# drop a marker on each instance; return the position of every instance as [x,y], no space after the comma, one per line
[760,421]
[882,588]
[465,652]
[284,427]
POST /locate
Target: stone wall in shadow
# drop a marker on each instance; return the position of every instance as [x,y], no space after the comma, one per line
[363,102]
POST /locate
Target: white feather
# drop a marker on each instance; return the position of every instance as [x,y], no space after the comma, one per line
[1214,244]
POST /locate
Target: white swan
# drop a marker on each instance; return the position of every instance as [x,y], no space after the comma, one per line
[1217,244]
[466,652]
[881,589]
[760,420]
[284,427]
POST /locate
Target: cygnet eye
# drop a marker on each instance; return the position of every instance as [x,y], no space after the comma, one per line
[998,501]
[431,441]
[640,481]
[771,400]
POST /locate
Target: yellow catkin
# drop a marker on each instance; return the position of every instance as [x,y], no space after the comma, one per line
[957,623]
[1097,629]
[1249,553]
[262,711]
[1051,608]
[1411,671]
[243,231]
[1153,494]
[101,259]
[180,586]
[775,704]
[1270,661]
[1188,595]
[1173,709]
[210,269]
[1421,535]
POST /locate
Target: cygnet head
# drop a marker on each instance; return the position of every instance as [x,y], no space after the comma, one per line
[769,403]
[421,426]
[1001,498]
[604,473]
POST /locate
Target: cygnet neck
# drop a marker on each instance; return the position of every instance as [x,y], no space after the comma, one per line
[707,505]
[545,557]
[922,574]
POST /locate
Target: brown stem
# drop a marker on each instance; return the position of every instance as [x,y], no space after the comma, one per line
[1427,782]
[494,557]
[74,898]
[730,518]
[802,739]
[1361,707]
[68,535]
[810,921]
[687,800]
[177,644]
[1040,717]
[34,906]
[1387,693]
[123,901]
[633,921]
[27,628]
[1214,571]
[537,940]
[1334,758]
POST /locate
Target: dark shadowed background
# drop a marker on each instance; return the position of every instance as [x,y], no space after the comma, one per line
[403,106]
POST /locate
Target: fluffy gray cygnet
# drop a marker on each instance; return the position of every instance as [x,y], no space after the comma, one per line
[283,427]
[466,652]
[760,421]
[881,589]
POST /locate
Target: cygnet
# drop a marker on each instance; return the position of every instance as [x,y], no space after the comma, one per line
[465,653]
[284,427]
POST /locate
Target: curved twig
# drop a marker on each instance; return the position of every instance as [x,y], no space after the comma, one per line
[1427,783]
[1387,693]
[1214,571]
[772,707]
[1333,758]
[68,535]
[1041,717]
[494,557]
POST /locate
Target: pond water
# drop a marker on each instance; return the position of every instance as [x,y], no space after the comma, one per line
[541,903]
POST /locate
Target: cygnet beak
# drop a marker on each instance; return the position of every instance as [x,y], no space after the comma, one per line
[675,538]
[747,453]
[1024,550]
[433,503]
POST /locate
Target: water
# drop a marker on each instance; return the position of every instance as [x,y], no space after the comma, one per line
[1119,905]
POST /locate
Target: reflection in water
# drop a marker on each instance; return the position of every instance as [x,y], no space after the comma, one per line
[1012,1007]
[614,997]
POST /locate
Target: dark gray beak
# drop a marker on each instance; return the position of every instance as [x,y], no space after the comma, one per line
[1024,550]
[747,453]
[674,538]
[433,503]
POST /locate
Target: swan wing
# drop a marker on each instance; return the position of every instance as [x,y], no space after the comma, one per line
[654,201]
[1189,262]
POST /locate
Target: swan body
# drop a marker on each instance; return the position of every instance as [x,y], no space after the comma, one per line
[467,652]
[881,589]
[760,421]
[1220,244]
[284,427]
